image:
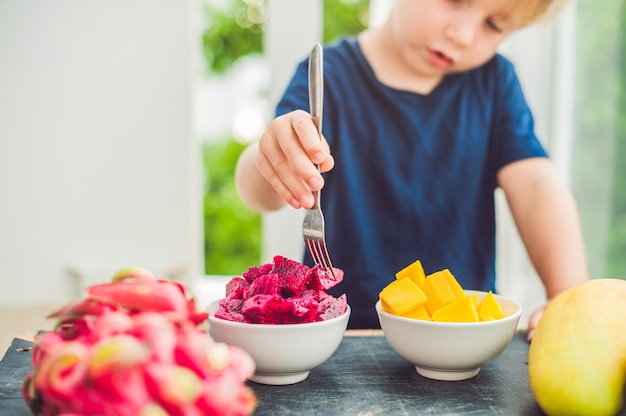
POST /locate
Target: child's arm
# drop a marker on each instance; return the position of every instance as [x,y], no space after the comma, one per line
[546,216]
[281,166]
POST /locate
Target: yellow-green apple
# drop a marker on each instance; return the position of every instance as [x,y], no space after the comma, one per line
[577,357]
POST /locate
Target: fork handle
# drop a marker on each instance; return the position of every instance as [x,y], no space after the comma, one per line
[316,96]
[316,86]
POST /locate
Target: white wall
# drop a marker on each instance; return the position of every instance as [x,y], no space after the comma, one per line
[99,169]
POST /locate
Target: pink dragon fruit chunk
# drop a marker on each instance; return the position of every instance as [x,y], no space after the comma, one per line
[282,292]
[235,287]
[230,315]
[326,278]
[270,284]
[273,309]
[254,272]
[231,305]
[315,295]
[299,277]
[264,309]
[331,307]
[253,308]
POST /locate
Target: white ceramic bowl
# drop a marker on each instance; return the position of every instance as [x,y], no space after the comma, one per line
[450,350]
[283,354]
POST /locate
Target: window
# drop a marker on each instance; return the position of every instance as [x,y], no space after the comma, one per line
[574,75]
[235,102]
[599,133]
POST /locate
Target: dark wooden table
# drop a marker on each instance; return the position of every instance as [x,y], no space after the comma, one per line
[364,377]
[13,368]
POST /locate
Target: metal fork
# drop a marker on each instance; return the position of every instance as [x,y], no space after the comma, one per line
[313,224]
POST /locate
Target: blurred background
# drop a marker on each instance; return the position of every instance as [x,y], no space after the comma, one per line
[121,122]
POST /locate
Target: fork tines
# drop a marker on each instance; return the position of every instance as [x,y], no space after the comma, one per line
[318,252]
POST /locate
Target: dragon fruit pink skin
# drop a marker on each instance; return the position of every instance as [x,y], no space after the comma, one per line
[282,292]
[134,347]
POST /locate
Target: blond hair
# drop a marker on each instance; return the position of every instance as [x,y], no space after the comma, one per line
[527,12]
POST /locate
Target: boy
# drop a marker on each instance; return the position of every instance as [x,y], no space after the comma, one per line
[425,120]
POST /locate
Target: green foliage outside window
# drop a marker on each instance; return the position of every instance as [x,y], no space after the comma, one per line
[237,30]
[232,232]
[232,32]
[344,18]
[599,146]
[617,239]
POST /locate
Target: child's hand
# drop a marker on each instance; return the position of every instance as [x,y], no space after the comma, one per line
[287,156]
[534,320]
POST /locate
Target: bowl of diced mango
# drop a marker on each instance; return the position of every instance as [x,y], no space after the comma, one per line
[445,331]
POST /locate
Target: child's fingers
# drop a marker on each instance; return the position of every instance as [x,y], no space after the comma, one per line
[329,163]
[286,167]
[534,320]
[293,138]
[288,154]
[271,175]
[316,149]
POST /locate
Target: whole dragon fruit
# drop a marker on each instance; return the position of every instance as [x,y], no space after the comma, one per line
[282,292]
[135,347]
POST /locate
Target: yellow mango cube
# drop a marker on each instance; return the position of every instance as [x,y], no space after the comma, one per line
[400,296]
[490,306]
[441,288]
[418,313]
[413,271]
[475,300]
[459,310]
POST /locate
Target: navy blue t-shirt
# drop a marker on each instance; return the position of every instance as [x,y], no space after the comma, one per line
[414,174]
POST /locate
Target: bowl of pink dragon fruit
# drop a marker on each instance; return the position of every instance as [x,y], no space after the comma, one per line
[281,314]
